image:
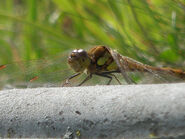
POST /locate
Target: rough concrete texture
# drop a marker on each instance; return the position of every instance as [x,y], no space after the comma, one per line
[130,111]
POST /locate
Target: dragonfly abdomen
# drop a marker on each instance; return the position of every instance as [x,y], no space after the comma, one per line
[174,72]
[137,66]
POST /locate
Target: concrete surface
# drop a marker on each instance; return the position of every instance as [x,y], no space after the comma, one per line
[121,111]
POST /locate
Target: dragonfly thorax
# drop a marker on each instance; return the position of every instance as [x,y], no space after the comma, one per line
[79,60]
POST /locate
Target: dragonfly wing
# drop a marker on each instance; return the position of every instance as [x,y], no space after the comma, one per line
[49,71]
[121,65]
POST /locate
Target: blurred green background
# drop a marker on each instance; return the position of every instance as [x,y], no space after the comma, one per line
[151,31]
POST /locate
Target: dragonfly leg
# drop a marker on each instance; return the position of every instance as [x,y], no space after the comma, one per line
[127,79]
[116,78]
[71,77]
[109,72]
[86,79]
[106,76]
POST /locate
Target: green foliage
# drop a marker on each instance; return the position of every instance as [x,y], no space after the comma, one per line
[151,31]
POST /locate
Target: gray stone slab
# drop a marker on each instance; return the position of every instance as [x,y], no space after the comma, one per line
[121,111]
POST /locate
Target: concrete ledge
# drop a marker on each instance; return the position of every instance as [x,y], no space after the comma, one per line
[130,111]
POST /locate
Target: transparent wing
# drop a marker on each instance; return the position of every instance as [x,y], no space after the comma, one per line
[142,73]
[35,73]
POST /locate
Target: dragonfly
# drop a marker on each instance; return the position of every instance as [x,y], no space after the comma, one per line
[100,61]
[104,61]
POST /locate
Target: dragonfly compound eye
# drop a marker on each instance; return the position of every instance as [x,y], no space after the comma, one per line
[78,60]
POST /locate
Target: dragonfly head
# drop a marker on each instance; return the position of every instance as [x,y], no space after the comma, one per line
[79,60]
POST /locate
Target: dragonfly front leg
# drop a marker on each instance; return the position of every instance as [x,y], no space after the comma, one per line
[71,77]
[86,79]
